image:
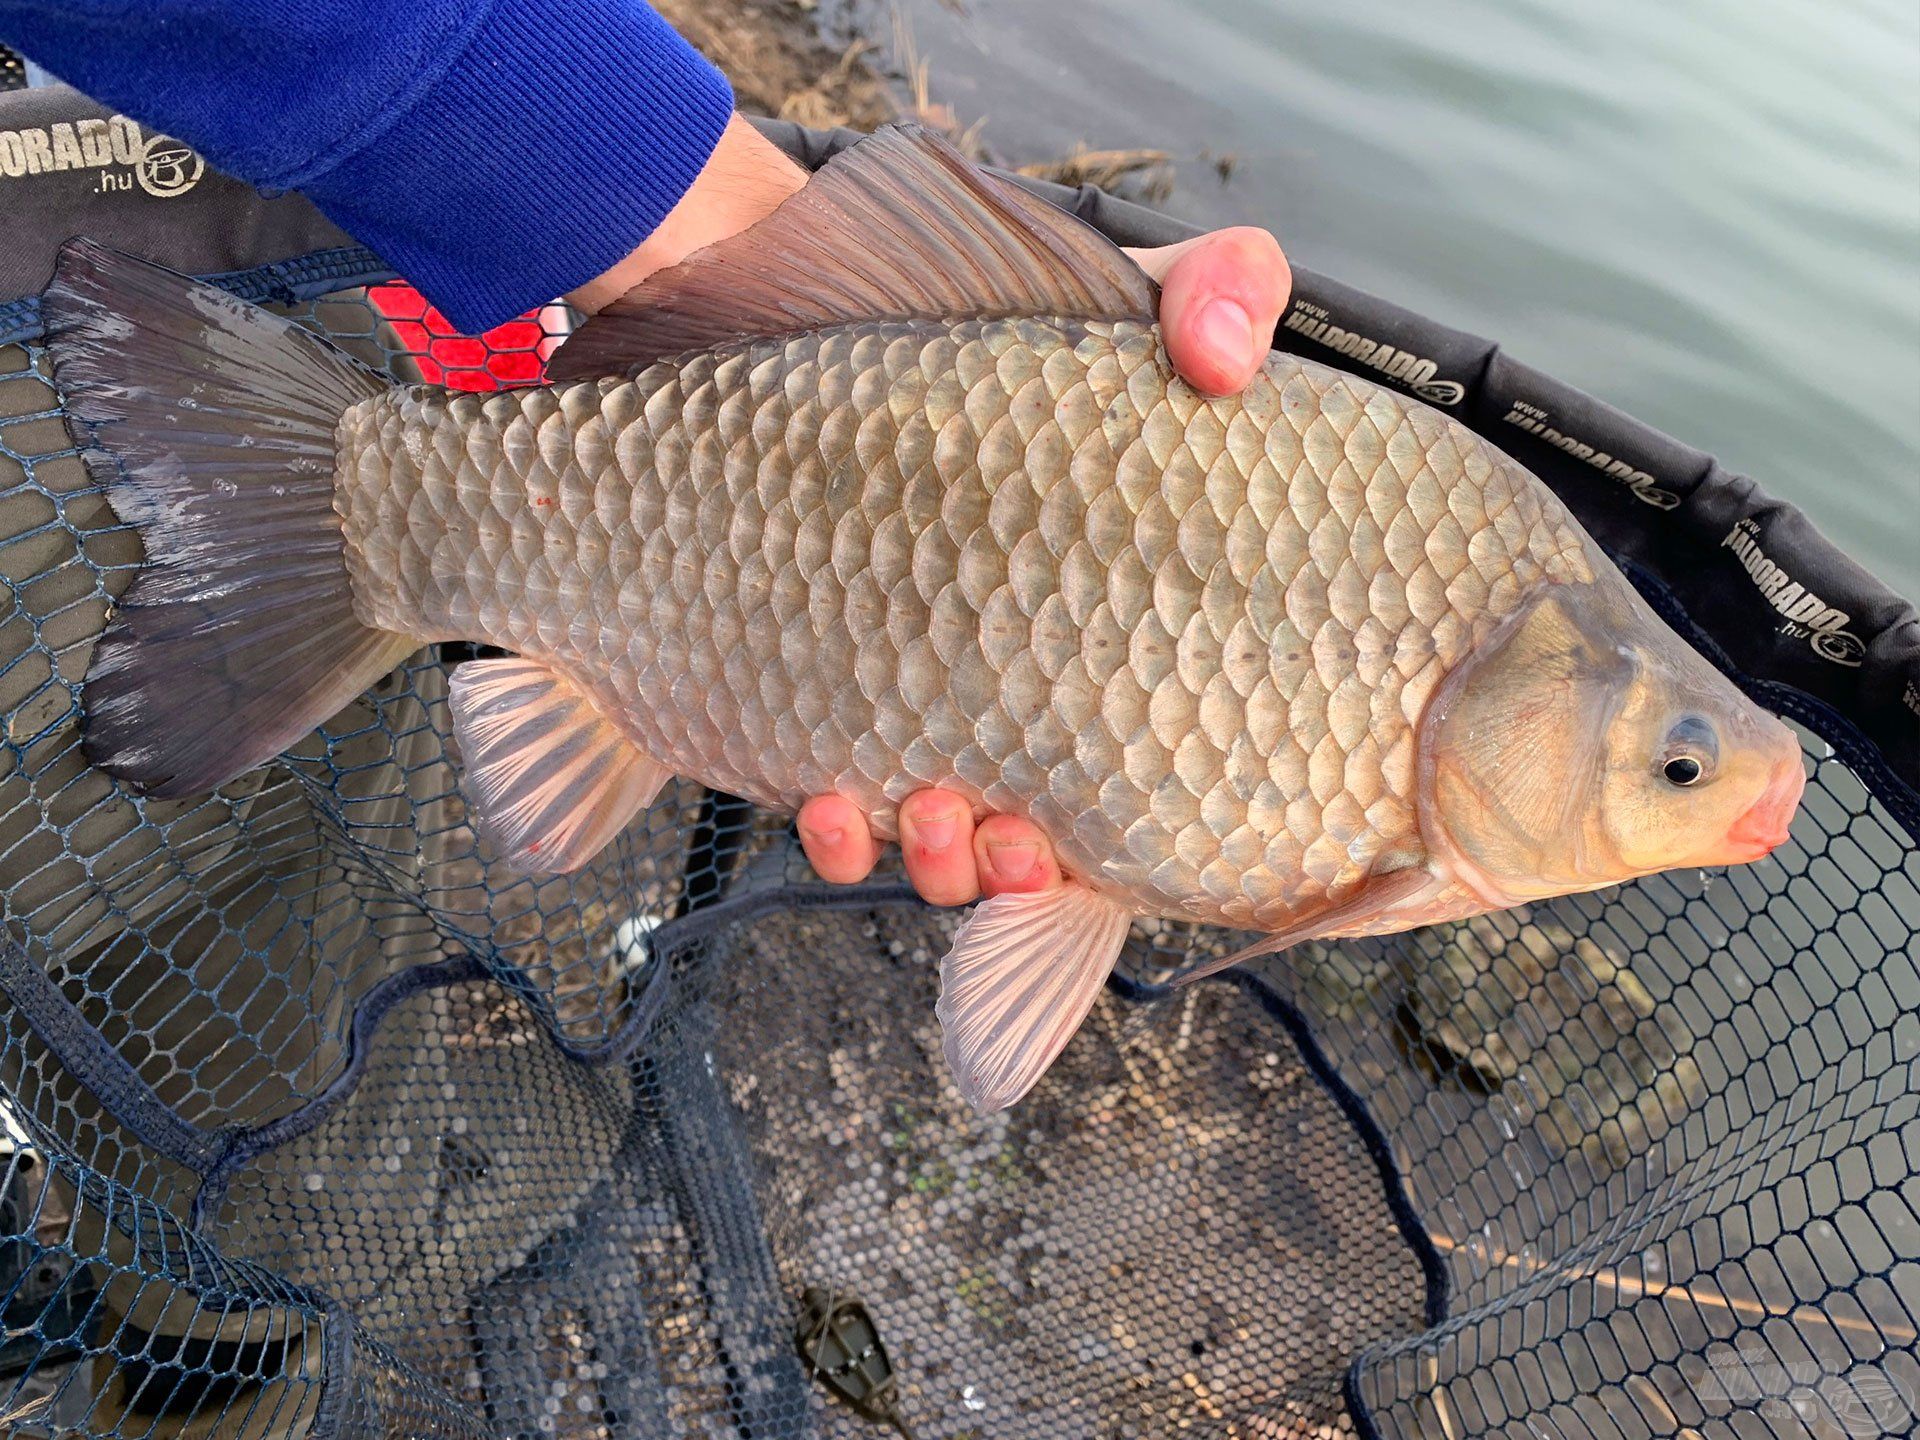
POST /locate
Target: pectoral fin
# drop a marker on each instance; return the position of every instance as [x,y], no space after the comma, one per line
[1400,900]
[1023,973]
[550,780]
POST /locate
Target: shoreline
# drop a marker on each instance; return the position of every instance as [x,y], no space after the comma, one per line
[781,65]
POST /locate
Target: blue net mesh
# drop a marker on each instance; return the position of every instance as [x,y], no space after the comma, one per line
[317,1126]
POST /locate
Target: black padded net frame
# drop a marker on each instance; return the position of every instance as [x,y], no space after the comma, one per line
[319,1127]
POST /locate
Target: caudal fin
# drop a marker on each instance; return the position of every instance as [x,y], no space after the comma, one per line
[210,423]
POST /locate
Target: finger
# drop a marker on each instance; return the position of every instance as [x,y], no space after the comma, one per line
[936,838]
[1157,260]
[837,839]
[1221,296]
[1013,856]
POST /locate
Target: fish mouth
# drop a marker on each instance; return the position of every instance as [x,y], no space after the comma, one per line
[1765,825]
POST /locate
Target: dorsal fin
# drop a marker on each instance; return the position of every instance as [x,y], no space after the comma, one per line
[899,226]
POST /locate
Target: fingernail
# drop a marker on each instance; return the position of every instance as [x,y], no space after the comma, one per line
[1224,327]
[826,837]
[935,834]
[1014,861]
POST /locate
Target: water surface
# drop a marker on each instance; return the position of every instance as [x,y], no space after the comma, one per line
[1707,212]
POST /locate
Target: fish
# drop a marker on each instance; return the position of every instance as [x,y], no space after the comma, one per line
[898,489]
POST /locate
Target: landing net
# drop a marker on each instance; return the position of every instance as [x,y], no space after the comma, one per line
[319,1127]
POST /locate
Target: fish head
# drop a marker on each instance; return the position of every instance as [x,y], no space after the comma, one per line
[1585,743]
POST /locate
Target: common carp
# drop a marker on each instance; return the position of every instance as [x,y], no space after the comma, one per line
[898,489]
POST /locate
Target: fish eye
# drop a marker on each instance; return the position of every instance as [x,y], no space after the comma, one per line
[1682,770]
[1689,753]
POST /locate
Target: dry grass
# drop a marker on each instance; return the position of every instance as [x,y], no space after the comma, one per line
[820,105]
[24,1413]
[1147,173]
[779,63]
[916,73]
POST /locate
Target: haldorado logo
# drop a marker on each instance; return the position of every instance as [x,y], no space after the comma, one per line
[1416,372]
[117,147]
[1805,613]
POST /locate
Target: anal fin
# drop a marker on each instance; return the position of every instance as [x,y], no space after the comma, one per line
[550,781]
[1023,973]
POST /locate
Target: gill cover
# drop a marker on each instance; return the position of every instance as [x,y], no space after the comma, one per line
[1515,746]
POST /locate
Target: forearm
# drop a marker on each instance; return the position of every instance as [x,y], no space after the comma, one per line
[497,154]
[743,181]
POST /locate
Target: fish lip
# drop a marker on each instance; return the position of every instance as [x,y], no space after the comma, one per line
[1768,822]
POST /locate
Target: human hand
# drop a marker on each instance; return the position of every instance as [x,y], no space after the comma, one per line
[1221,295]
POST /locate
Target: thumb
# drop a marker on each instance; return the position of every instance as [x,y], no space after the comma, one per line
[1221,295]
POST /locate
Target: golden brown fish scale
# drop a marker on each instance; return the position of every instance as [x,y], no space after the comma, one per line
[1190,637]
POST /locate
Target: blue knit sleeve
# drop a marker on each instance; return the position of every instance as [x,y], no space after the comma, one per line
[495,152]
